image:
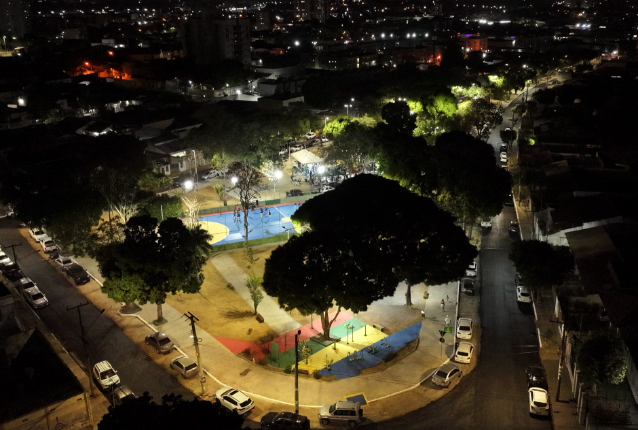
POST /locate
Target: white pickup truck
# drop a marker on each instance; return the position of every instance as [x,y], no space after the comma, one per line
[486,223]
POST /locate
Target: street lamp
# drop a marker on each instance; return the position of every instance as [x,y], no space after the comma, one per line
[274,184]
[321,170]
[234,180]
[347,107]
[325,120]
[188,185]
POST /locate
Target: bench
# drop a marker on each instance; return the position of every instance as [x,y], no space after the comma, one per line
[230,286]
[259,318]
[379,327]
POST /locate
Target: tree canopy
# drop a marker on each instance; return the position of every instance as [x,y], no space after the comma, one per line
[541,264]
[349,259]
[174,412]
[602,359]
[154,261]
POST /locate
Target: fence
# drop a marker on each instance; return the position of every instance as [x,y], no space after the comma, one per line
[230,208]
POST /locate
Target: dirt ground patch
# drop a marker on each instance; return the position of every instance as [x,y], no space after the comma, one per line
[221,311]
[262,253]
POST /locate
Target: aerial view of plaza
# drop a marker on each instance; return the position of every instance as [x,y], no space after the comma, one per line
[318,214]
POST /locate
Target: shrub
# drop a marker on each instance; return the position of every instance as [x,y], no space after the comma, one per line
[288,369]
[316,374]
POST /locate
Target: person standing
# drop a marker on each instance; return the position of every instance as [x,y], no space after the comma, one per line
[447,320]
[442,305]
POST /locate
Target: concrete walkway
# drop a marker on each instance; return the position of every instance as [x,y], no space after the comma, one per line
[278,319]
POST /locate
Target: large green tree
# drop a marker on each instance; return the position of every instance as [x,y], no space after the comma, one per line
[540,264]
[602,359]
[482,114]
[154,261]
[417,241]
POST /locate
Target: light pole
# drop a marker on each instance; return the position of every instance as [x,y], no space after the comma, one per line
[321,170]
[195,167]
[325,120]
[297,372]
[274,183]
[347,111]
[188,185]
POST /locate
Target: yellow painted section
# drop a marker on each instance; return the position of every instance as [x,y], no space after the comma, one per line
[216,230]
[319,360]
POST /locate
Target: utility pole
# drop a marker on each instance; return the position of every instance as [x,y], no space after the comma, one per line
[86,352]
[13,246]
[297,371]
[560,361]
[202,378]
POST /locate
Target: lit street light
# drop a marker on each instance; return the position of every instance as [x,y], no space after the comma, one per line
[274,183]
[324,121]
[321,170]
[347,107]
[188,185]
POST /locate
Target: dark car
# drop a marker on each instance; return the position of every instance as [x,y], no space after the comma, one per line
[77,273]
[12,272]
[284,420]
[536,377]
[467,286]
[503,148]
[514,227]
[294,193]
[509,201]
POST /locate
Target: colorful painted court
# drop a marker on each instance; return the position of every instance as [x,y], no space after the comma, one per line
[360,346]
[262,222]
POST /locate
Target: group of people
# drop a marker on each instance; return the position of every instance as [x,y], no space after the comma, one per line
[262,211]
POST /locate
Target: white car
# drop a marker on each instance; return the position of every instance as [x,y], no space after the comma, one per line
[235,400]
[4,258]
[210,174]
[538,401]
[49,245]
[471,270]
[464,352]
[34,296]
[105,376]
[523,295]
[503,157]
[324,139]
[310,135]
[296,147]
[325,188]
[37,234]
[62,261]
[464,328]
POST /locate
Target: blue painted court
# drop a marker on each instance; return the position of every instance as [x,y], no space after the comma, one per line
[224,228]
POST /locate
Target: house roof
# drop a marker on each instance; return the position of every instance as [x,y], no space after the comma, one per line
[598,207]
[306,157]
[36,377]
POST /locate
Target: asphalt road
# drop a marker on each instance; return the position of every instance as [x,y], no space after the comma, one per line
[106,341]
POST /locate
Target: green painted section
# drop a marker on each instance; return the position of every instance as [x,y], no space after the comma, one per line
[288,358]
[346,327]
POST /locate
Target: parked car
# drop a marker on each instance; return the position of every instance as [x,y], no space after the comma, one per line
[467,286]
[538,401]
[234,400]
[37,234]
[464,352]
[344,412]
[486,223]
[503,157]
[283,151]
[514,227]
[324,139]
[185,366]
[296,147]
[105,376]
[162,343]
[517,278]
[325,188]
[49,245]
[122,394]
[284,421]
[34,296]
[210,174]
[523,295]
[12,271]
[503,147]
[4,259]
[464,328]
[472,270]
[63,261]
[294,193]
[446,374]
[536,377]
[310,135]
[77,274]
[509,201]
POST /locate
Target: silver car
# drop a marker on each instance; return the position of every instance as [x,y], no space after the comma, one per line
[341,412]
[446,374]
[185,366]
[160,342]
[234,400]
[35,297]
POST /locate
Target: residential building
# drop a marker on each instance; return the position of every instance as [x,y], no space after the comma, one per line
[14,18]
[208,41]
[262,20]
[306,10]
[471,42]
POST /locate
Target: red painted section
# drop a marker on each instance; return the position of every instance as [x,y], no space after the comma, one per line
[287,340]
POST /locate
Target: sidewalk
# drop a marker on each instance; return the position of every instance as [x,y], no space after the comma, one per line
[564,415]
